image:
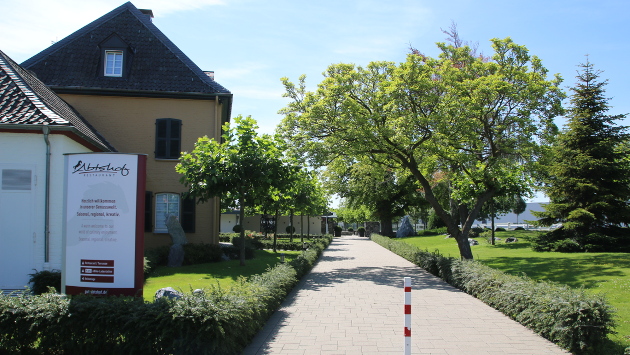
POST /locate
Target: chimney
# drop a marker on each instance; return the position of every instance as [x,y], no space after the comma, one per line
[147,12]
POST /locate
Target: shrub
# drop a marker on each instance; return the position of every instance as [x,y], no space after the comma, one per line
[350,229]
[570,318]
[237,228]
[217,321]
[499,229]
[201,253]
[44,279]
[435,221]
[519,229]
[157,256]
[290,229]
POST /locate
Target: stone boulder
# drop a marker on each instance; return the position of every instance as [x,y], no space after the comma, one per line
[168,292]
[176,255]
[405,229]
[511,240]
[472,242]
[175,230]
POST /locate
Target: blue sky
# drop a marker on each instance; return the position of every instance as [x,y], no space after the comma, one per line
[252,44]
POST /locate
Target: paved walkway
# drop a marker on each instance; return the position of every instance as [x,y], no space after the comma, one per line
[352,303]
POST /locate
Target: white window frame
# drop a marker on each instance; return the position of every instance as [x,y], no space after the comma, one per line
[113,63]
[166,203]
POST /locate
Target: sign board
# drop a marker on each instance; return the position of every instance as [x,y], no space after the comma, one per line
[103,229]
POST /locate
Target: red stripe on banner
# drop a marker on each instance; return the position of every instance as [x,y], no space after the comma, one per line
[407,309]
[408,289]
[407,332]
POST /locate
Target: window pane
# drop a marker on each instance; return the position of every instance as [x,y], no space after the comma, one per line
[113,63]
[13,179]
[165,205]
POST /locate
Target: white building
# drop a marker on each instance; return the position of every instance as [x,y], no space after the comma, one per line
[36,129]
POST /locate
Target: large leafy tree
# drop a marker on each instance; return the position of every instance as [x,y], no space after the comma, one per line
[588,180]
[243,169]
[380,189]
[477,123]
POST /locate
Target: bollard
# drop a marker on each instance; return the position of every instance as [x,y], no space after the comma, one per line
[407,315]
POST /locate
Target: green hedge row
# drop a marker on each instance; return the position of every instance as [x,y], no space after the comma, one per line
[218,321]
[574,320]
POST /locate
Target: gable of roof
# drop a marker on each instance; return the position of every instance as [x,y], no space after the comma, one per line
[157,65]
[26,102]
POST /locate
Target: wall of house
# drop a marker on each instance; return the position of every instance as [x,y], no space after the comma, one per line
[128,123]
[22,242]
[228,221]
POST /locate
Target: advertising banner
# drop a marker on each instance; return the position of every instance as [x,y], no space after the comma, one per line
[104,224]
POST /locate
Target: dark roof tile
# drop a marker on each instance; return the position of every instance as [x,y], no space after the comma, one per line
[25,100]
[157,65]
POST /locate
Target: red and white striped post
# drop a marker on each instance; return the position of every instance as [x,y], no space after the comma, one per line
[407,315]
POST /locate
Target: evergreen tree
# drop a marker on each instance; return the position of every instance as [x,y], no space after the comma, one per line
[589,180]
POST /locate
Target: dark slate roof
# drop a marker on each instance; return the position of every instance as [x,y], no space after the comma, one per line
[27,102]
[157,64]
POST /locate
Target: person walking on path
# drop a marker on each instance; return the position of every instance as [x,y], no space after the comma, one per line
[352,302]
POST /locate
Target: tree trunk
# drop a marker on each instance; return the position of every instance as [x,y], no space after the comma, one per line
[386,227]
[492,220]
[291,225]
[242,217]
[275,233]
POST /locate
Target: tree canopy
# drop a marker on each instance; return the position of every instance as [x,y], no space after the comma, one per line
[475,123]
[587,181]
[243,169]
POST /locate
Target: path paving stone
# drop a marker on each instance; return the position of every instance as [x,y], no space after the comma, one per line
[352,303]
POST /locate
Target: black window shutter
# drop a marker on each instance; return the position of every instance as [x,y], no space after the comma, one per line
[168,133]
[187,219]
[148,211]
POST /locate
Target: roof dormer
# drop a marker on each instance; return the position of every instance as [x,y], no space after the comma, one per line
[115,57]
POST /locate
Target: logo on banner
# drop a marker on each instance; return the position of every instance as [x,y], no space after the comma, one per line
[82,168]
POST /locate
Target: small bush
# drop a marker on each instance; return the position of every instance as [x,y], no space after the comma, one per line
[201,253]
[570,318]
[519,229]
[499,229]
[157,256]
[237,228]
[290,229]
[218,321]
[44,279]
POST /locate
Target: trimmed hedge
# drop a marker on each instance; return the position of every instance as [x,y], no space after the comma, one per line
[573,319]
[218,321]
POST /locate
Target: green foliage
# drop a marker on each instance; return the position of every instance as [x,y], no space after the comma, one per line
[435,221]
[217,321]
[570,318]
[610,239]
[476,125]
[237,228]
[199,253]
[44,279]
[587,180]
[290,229]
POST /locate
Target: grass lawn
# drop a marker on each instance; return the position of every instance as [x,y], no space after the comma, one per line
[606,273]
[225,273]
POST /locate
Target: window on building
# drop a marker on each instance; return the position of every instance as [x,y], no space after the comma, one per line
[16,180]
[114,63]
[167,204]
[168,132]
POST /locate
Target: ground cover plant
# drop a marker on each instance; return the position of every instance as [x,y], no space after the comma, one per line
[597,273]
[219,320]
[223,274]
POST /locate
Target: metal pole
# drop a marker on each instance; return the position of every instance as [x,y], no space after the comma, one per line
[407,315]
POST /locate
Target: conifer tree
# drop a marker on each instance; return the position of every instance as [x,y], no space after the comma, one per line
[589,177]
